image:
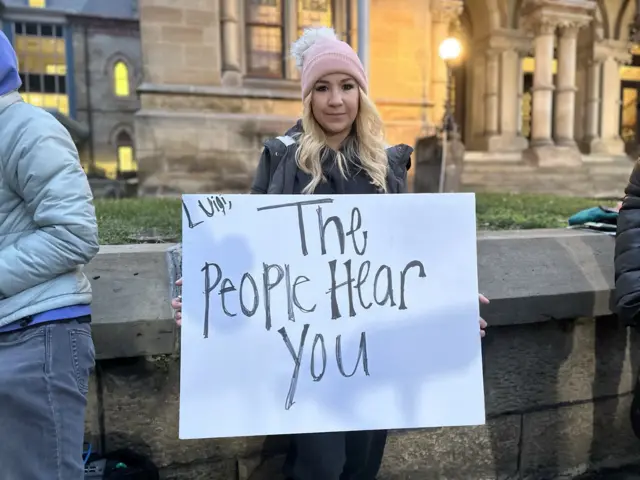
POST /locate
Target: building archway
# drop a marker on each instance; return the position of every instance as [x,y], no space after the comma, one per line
[480,19]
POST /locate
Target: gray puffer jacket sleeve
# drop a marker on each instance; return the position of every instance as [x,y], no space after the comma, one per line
[44,170]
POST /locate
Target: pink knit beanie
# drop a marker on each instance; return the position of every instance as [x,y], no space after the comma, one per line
[319,52]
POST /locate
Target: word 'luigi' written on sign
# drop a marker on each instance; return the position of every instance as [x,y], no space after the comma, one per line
[366,284]
[213,204]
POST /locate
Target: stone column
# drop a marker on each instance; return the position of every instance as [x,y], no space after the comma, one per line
[566,87]
[511,88]
[231,56]
[290,35]
[520,94]
[543,17]
[542,85]
[491,100]
[443,13]
[509,91]
[610,142]
[592,105]
[439,31]
[340,18]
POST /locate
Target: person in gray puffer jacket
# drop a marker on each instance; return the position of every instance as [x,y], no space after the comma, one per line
[48,231]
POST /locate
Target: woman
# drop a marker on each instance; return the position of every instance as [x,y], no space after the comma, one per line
[337,148]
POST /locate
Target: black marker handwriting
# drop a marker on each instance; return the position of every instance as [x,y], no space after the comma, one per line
[382,288]
[250,296]
[297,357]
[188,214]
[297,360]
[362,355]
[299,205]
[355,226]
[355,285]
[213,204]
[317,378]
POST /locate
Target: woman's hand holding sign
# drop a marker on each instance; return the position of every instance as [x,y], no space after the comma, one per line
[176,304]
[483,324]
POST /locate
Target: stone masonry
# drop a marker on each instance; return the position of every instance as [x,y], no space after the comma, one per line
[204,116]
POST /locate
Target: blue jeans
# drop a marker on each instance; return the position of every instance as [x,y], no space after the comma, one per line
[44,380]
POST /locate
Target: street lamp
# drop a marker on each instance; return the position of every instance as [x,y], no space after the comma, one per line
[449,51]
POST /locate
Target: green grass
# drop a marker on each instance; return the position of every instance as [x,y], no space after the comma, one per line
[136,220]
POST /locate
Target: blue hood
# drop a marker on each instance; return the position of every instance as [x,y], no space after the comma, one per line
[9,78]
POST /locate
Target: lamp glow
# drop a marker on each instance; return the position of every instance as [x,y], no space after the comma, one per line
[450,49]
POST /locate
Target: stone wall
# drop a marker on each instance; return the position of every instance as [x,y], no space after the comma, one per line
[559,370]
[209,140]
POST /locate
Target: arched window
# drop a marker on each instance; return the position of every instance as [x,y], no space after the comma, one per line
[126,159]
[121,79]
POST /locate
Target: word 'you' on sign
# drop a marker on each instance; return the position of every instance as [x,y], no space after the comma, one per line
[329,313]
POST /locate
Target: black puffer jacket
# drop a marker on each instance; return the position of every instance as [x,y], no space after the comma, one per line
[627,254]
[279,153]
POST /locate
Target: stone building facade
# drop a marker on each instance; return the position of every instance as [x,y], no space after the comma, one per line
[545,93]
[81,60]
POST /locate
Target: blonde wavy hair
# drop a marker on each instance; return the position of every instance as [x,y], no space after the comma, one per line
[365,143]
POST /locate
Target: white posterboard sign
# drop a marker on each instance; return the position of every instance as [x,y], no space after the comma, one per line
[329,313]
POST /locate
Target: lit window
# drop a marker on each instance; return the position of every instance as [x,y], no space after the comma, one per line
[314,13]
[40,48]
[629,107]
[266,32]
[121,80]
[529,65]
[37,3]
[126,161]
[108,168]
[265,38]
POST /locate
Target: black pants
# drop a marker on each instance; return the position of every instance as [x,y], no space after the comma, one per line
[335,456]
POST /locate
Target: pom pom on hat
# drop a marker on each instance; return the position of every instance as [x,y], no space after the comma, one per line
[319,52]
[309,38]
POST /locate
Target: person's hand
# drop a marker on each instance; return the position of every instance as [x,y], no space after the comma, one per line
[176,304]
[483,324]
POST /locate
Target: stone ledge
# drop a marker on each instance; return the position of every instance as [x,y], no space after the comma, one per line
[530,276]
[131,301]
[556,392]
[221,91]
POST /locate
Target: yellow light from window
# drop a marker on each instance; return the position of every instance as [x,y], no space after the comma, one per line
[108,167]
[56,69]
[126,162]
[48,100]
[312,17]
[529,65]
[37,3]
[121,80]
